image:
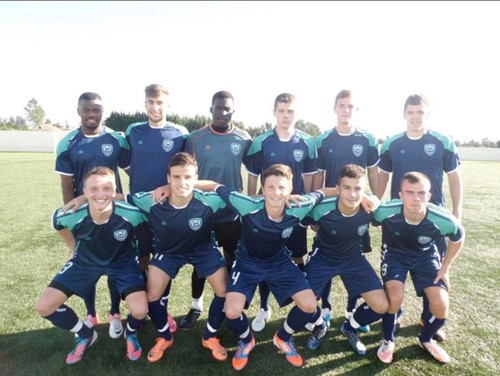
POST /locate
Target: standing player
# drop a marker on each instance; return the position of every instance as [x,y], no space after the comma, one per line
[429,152]
[338,147]
[219,149]
[89,146]
[296,149]
[100,238]
[411,229]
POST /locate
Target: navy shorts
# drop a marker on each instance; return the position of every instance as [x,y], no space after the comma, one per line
[356,273]
[79,278]
[422,267]
[283,277]
[297,243]
[206,262]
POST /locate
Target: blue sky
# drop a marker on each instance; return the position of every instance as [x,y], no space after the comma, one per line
[54,51]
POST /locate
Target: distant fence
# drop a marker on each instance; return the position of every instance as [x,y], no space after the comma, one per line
[46,141]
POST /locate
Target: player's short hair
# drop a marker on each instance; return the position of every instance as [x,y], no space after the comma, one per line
[277,169]
[344,94]
[284,98]
[155,90]
[352,171]
[89,96]
[101,171]
[414,177]
[182,159]
[415,100]
[222,95]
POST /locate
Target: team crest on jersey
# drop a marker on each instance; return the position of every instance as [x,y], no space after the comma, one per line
[120,235]
[362,230]
[195,223]
[167,145]
[298,155]
[235,148]
[287,232]
[107,149]
[424,239]
[430,149]
[357,149]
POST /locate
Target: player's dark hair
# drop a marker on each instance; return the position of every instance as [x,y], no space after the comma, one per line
[101,171]
[415,100]
[222,95]
[343,94]
[155,90]
[413,177]
[276,169]
[352,171]
[89,96]
[182,159]
[284,98]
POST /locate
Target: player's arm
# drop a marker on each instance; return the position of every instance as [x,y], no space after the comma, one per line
[374,181]
[69,240]
[451,253]
[206,185]
[252,184]
[318,180]
[68,188]
[383,179]
[456,193]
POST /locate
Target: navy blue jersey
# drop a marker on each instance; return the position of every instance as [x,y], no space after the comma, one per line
[152,149]
[102,244]
[400,236]
[432,154]
[339,237]
[181,230]
[335,150]
[299,153]
[261,237]
[77,154]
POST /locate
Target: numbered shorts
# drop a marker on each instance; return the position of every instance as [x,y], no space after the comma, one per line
[283,277]
[79,278]
[422,267]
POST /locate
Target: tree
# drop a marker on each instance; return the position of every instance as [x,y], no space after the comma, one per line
[119,121]
[34,113]
[310,128]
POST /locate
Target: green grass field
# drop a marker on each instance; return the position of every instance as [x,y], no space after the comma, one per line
[31,253]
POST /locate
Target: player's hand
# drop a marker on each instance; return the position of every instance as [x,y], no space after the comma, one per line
[315,228]
[74,204]
[445,277]
[294,199]
[160,194]
[370,203]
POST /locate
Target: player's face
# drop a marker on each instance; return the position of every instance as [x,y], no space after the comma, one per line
[99,191]
[415,196]
[222,111]
[90,113]
[182,180]
[285,114]
[156,109]
[416,117]
[345,109]
[351,192]
[276,190]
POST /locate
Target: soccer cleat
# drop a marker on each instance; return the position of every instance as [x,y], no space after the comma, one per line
[218,351]
[317,335]
[92,321]
[240,358]
[364,328]
[156,353]
[289,349]
[134,349]
[436,351]
[82,344]
[386,351]
[115,326]
[259,322]
[439,336]
[327,316]
[172,325]
[191,317]
[354,340]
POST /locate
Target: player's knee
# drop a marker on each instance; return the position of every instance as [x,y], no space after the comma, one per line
[439,309]
[380,306]
[139,312]
[232,312]
[43,308]
[153,296]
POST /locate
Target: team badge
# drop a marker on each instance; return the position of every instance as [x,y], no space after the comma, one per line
[298,155]
[287,232]
[362,230]
[195,223]
[120,235]
[430,149]
[107,149]
[167,145]
[357,149]
[235,148]
[424,239]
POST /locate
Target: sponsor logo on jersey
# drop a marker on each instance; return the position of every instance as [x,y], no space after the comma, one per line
[287,232]
[424,239]
[357,149]
[167,145]
[298,155]
[362,230]
[107,149]
[235,148]
[430,149]
[195,223]
[120,235]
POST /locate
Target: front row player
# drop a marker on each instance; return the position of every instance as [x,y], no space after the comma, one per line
[100,238]
[411,227]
